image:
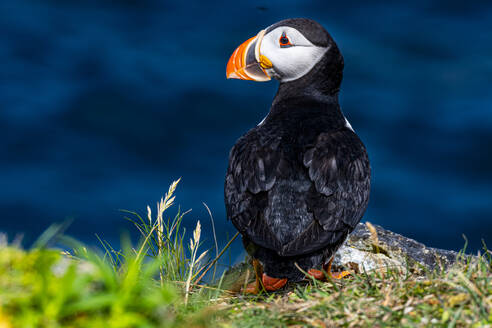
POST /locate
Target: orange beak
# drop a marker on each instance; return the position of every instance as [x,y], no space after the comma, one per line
[245,63]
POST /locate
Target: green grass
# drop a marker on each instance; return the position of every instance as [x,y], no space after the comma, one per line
[159,283]
[458,297]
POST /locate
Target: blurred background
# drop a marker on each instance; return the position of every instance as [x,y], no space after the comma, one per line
[105,103]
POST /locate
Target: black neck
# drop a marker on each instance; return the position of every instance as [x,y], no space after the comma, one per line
[291,92]
[321,84]
[314,96]
[307,106]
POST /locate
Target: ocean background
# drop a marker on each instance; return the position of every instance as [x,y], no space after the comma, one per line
[105,103]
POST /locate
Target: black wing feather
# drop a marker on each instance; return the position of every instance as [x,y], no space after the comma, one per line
[252,172]
[338,169]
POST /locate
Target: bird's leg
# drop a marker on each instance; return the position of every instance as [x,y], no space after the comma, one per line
[255,287]
[335,275]
[320,275]
[267,283]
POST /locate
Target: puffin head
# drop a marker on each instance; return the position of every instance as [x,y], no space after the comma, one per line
[287,51]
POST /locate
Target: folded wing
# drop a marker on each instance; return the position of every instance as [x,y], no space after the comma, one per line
[337,168]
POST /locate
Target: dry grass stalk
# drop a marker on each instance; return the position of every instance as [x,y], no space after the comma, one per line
[165,202]
[194,244]
[376,247]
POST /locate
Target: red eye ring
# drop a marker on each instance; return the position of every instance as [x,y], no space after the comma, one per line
[284,41]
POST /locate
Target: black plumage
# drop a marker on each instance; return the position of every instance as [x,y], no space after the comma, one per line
[298,183]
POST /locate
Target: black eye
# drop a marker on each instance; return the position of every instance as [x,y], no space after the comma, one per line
[284,41]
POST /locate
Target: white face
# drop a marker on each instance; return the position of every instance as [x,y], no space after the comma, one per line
[291,54]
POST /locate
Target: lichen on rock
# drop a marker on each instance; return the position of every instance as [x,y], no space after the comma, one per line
[371,247]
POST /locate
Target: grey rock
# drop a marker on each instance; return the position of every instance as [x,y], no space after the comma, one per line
[369,250]
[368,247]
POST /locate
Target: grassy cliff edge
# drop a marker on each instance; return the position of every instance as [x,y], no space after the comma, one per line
[159,283]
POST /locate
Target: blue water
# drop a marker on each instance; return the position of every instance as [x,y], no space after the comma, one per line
[104,103]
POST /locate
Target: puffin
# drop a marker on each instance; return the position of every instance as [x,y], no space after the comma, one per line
[298,183]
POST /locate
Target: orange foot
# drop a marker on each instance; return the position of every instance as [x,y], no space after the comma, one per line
[270,284]
[318,274]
